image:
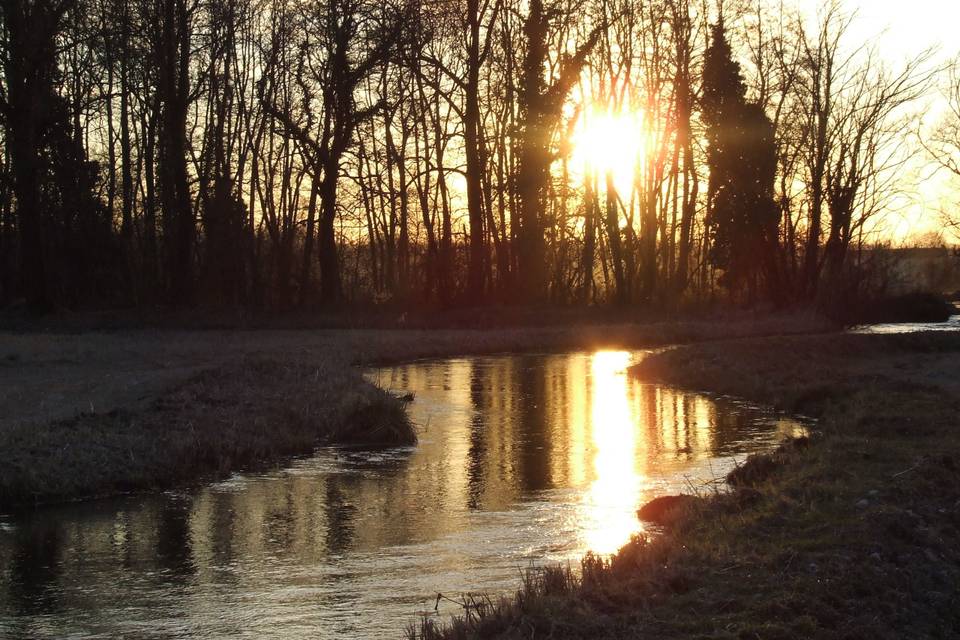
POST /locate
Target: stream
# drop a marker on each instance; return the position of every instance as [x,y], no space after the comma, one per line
[522,460]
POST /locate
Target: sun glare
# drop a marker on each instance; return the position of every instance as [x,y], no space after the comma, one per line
[609,517]
[610,141]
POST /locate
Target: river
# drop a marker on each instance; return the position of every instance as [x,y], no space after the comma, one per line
[522,460]
[950,325]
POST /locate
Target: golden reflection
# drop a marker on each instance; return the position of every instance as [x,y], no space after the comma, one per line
[576,406]
[609,518]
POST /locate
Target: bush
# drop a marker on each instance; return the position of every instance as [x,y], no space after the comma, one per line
[912,307]
[921,306]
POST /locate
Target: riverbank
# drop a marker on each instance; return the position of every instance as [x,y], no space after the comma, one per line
[850,533]
[100,413]
[243,415]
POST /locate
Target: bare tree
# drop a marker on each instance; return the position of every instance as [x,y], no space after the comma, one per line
[541,102]
[354,37]
[942,143]
[850,135]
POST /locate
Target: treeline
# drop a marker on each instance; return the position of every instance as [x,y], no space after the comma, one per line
[297,153]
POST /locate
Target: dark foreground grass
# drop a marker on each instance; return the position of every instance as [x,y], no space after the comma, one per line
[229,417]
[850,533]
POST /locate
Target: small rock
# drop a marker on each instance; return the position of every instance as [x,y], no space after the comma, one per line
[876,556]
[863,504]
[873,493]
[665,509]
[812,567]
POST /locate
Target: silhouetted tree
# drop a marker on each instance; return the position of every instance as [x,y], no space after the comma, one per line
[172,48]
[943,142]
[743,218]
[353,39]
[852,109]
[541,104]
[223,155]
[67,253]
[248,153]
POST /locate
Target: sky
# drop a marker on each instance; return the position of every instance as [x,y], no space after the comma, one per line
[906,27]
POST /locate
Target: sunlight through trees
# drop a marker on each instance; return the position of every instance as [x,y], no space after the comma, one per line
[281,154]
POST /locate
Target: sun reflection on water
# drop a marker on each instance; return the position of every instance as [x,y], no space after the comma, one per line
[609,505]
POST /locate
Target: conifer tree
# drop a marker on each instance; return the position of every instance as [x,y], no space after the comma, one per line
[741,157]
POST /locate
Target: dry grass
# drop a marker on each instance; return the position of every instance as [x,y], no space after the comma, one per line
[222,419]
[850,534]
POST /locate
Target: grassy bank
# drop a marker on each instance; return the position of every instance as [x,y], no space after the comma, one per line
[92,414]
[851,533]
[224,418]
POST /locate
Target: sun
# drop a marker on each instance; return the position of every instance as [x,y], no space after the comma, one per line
[608,141]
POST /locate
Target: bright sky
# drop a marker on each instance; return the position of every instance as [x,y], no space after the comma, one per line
[906,27]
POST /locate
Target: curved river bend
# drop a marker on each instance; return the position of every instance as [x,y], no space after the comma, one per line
[523,459]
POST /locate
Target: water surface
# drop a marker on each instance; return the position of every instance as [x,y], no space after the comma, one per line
[522,459]
[952,324]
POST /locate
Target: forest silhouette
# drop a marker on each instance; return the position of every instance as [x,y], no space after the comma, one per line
[273,154]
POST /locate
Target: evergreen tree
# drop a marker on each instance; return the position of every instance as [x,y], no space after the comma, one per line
[743,218]
[67,250]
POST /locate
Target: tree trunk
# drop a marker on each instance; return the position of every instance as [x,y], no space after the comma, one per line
[176,208]
[475,168]
[331,287]
[30,69]
[615,243]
